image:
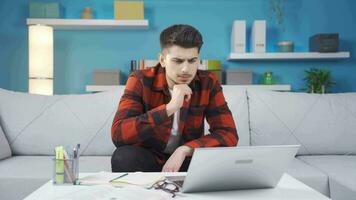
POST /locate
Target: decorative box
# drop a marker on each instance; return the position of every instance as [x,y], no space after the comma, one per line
[238,77]
[106,77]
[128,10]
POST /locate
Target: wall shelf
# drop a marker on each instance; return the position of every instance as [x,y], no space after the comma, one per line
[90,24]
[288,56]
[101,88]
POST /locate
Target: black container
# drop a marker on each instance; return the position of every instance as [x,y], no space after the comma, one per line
[325,42]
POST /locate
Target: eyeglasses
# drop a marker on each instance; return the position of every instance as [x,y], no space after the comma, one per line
[166,186]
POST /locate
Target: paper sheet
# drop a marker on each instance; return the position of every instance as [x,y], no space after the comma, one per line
[111,193]
[139,179]
[101,178]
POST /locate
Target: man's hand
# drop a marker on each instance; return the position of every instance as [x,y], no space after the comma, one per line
[174,162]
[180,92]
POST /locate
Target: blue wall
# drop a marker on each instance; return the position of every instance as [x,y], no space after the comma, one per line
[78,53]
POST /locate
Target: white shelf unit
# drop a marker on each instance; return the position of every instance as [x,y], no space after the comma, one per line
[101,88]
[90,24]
[288,56]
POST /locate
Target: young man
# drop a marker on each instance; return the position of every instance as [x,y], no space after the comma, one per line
[160,118]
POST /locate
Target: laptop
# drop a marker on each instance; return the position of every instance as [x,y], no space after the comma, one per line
[233,168]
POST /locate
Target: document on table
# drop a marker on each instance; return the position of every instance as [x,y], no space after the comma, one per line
[138,179]
[102,192]
[100,178]
[122,179]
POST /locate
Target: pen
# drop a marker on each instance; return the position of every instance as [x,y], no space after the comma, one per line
[74,153]
[118,177]
[76,163]
[78,147]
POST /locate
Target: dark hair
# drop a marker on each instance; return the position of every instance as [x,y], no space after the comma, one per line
[181,35]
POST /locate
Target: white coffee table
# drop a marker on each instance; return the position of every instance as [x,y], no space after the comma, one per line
[287,189]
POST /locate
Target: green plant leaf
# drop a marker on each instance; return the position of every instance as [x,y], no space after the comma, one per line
[316,79]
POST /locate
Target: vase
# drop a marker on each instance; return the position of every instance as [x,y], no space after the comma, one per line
[286,46]
[318,90]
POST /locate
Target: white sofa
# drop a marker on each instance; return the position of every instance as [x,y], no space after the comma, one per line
[324,125]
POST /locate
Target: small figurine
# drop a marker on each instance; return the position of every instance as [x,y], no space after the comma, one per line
[87,13]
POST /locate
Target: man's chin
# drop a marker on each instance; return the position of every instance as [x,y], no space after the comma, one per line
[182,81]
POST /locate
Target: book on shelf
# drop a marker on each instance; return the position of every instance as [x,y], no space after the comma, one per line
[214,66]
[148,63]
[142,64]
[210,65]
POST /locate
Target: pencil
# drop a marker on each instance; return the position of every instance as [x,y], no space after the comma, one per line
[118,177]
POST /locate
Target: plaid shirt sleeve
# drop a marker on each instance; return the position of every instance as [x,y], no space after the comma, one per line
[219,117]
[131,125]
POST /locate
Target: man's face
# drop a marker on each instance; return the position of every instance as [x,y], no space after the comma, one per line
[181,64]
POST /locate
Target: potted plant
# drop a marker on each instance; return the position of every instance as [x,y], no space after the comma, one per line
[318,80]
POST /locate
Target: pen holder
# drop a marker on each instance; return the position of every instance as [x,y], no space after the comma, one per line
[65,171]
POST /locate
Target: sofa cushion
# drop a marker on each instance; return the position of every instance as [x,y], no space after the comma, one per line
[321,124]
[21,175]
[341,171]
[5,150]
[236,99]
[35,124]
[309,175]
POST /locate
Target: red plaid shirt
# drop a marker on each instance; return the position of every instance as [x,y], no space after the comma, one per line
[142,120]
